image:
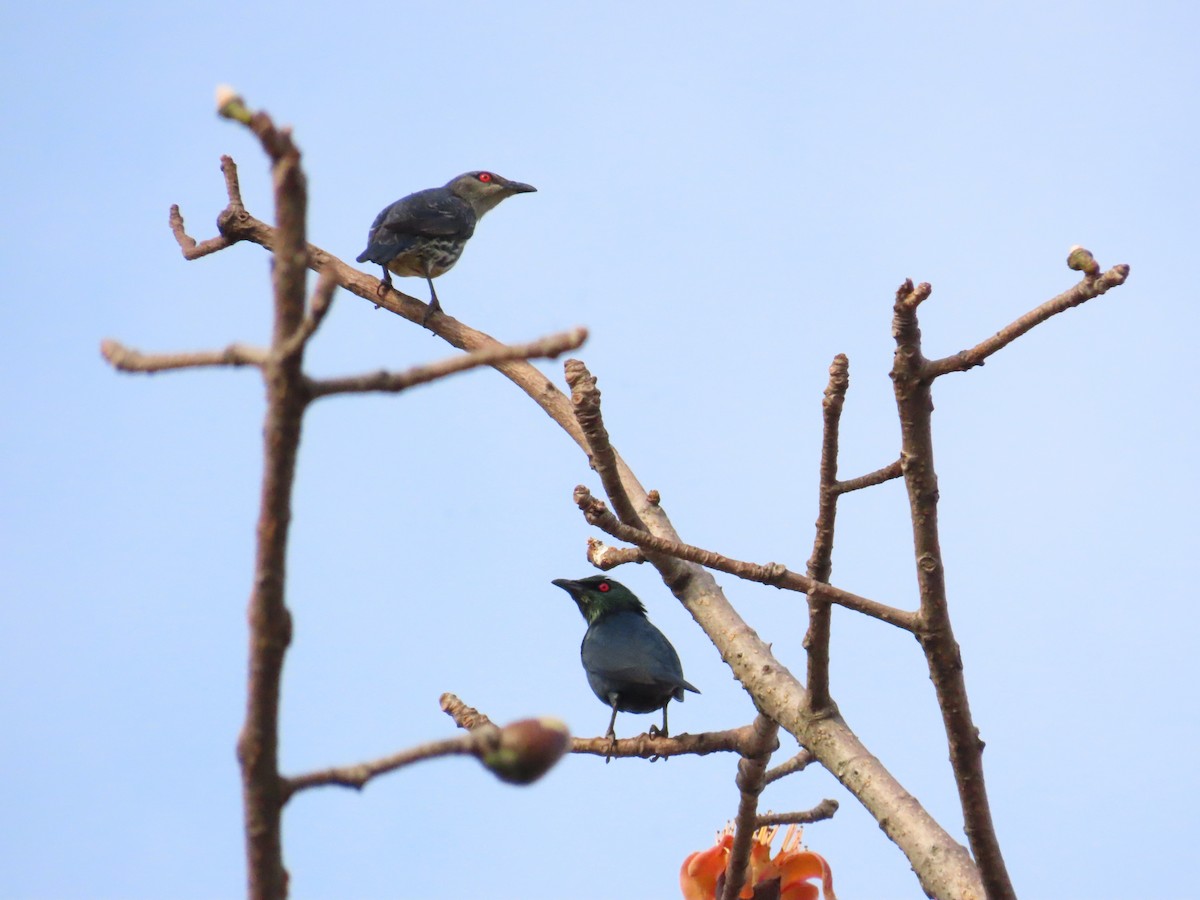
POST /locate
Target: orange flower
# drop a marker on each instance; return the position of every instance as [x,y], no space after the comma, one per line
[786,875]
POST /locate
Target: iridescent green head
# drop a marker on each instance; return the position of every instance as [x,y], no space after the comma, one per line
[599,595]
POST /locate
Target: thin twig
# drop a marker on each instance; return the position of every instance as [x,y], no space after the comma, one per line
[774,574]
[126,359]
[466,717]
[889,472]
[823,810]
[547,347]
[318,307]
[751,780]
[605,557]
[233,189]
[1092,285]
[585,398]
[357,776]
[519,753]
[820,564]
[797,763]
[187,244]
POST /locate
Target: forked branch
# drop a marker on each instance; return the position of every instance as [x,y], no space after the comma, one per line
[774,574]
[1093,285]
[751,779]
[912,377]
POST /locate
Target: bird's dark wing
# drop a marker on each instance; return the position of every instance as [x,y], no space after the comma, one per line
[384,248]
[432,213]
[626,648]
[435,213]
[626,677]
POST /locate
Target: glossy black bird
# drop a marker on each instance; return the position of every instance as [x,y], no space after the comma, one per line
[424,233]
[630,665]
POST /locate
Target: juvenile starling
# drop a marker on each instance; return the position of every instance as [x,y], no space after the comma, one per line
[630,665]
[424,233]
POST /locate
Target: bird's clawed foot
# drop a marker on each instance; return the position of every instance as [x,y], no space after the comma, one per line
[384,287]
[433,307]
[612,745]
[655,732]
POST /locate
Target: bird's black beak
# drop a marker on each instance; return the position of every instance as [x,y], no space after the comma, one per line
[519,187]
[574,588]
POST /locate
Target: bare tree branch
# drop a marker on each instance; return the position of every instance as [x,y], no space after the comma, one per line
[604,557]
[357,776]
[751,780]
[270,619]
[823,810]
[233,189]
[797,763]
[644,746]
[1092,285]
[320,304]
[192,250]
[820,564]
[547,347]
[585,398]
[652,747]
[774,574]
[519,753]
[879,476]
[126,359]
[915,404]
[465,717]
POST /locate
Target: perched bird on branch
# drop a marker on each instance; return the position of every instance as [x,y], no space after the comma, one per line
[424,233]
[630,665]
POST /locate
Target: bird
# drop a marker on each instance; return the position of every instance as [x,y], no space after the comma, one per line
[630,664]
[425,232]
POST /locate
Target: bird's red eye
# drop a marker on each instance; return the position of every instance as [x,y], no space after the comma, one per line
[604,587]
[485,177]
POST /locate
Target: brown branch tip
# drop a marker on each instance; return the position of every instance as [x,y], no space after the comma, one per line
[604,557]
[909,297]
[464,716]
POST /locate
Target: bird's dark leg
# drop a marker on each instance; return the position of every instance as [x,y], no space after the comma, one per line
[385,284]
[655,731]
[611,734]
[434,305]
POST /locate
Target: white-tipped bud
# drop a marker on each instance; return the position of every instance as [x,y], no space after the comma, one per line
[225,95]
[230,105]
[1081,260]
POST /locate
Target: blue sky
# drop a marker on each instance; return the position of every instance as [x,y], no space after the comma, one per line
[728,196]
